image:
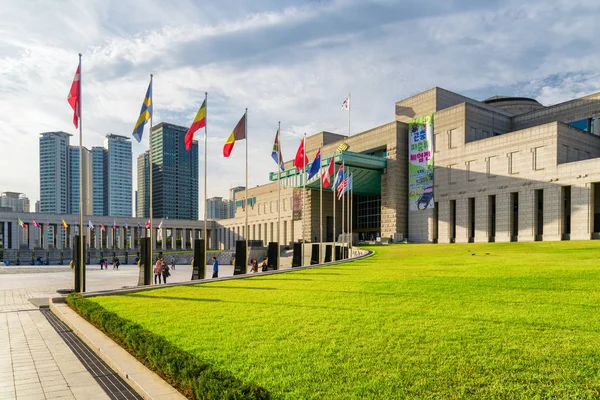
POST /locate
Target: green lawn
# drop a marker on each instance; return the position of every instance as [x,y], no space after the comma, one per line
[512,320]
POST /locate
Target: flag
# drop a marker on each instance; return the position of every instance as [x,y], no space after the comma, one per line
[199,122]
[343,186]
[90,224]
[160,225]
[349,183]
[301,159]
[346,104]
[114,224]
[338,177]
[102,227]
[147,224]
[126,225]
[64,224]
[315,166]
[139,226]
[145,114]
[329,172]
[21,223]
[36,224]
[239,133]
[74,97]
[276,153]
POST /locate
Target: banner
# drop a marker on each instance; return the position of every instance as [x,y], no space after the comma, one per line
[420,163]
[297,204]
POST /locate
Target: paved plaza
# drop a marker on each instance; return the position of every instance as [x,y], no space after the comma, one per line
[35,362]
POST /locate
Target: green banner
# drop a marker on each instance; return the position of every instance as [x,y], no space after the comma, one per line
[420,163]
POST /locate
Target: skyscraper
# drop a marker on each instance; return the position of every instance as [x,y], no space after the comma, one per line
[98,164]
[73,178]
[14,201]
[217,208]
[143,185]
[174,173]
[54,177]
[117,189]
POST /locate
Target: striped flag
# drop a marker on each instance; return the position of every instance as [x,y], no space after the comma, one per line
[21,223]
[239,133]
[329,172]
[199,122]
[145,115]
[276,153]
[64,224]
[36,224]
[74,97]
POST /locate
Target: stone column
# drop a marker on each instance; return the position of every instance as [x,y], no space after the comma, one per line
[503,215]
[581,209]
[462,220]
[482,228]
[31,234]
[58,230]
[164,238]
[444,221]
[552,213]
[44,236]
[526,215]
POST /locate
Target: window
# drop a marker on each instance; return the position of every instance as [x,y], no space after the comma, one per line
[473,133]
[491,166]
[537,158]
[452,173]
[512,164]
[452,139]
[470,175]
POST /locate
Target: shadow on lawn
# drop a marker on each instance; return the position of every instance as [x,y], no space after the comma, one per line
[232,287]
[173,298]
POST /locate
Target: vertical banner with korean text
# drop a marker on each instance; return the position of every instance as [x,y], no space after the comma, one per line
[420,163]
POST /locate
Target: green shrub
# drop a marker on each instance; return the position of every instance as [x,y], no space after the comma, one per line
[194,378]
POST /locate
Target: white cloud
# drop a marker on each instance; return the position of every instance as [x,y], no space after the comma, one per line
[286,61]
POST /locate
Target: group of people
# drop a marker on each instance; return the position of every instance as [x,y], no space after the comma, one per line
[254,265]
[162,270]
[104,263]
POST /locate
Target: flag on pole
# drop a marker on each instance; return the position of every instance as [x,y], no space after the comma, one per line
[145,114]
[90,224]
[114,224]
[160,225]
[36,224]
[329,172]
[315,166]
[74,97]
[338,177]
[147,224]
[102,227]
[64,224]
[126,225]
[343,186]
[349,183]
[276,153]
[239,133]
[301,159]
[21,223]
[346,104]
[199,122]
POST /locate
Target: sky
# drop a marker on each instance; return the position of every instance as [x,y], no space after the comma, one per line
[288,61]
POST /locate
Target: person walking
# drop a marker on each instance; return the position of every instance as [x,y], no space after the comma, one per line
[105,264]
[173,262]
[165,271]
[215,267]
[117,263]
[101,263]
[157,271]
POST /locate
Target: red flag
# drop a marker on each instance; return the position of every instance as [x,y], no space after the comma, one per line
[74,97]
[301,160]
[147,224]
[328,173]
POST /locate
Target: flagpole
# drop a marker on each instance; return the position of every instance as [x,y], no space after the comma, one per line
[246,206]
[333,191]
[349,107]
[150,174]
[205,184]
[81,259]
[303,198]
[320,208]
[351,208]
[278,195]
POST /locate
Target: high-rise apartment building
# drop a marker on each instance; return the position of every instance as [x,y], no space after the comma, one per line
[217,208]
[98,163]
[175,173]
[143,185]
[232,200]
[54,172]
[14,201]
[117,189]
[73,178]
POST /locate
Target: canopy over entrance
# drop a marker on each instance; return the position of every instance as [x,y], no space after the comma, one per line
[366,173]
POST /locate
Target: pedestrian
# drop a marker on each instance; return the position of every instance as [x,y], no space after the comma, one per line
[173,262]
[106,264]
[101,263]
[265,265]
[114,262]
[254,266]
[117,263]
[157,270]
[165,271]
[215,267]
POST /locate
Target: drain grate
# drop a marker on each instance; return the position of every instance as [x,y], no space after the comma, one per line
[114,386]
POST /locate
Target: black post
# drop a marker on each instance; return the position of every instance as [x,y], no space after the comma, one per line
[240,266]
[328,252]
[145,276]
[199,263]
[314,256]
[78,265]
[273,255]
[297,255]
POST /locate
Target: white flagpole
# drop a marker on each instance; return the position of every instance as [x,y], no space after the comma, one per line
[278,195]
[150,167]
[205,178]
[333,191]
[349,107]
[303,198]
[343,214]
[351,209]
[246,200]
[81,265]
[320,208]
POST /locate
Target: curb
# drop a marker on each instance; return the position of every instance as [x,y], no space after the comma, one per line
[146,383]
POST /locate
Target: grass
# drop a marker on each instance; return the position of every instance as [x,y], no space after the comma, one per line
[514,320]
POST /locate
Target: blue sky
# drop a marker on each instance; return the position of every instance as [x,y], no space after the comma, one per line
[288,61]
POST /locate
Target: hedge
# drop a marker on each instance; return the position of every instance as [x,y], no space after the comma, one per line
[194,378]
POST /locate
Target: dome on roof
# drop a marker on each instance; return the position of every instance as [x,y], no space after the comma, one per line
[514,105]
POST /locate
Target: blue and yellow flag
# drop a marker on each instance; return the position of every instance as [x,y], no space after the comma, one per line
[145,114]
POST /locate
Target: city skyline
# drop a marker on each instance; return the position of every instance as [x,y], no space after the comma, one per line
[300,73]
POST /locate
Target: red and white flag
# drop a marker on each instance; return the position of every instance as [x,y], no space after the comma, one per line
[147,224]
[74,97]
[36,224]
[346,104]
[328,173]
[301,159]
[102,227]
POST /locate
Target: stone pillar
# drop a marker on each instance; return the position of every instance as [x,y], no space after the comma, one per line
[526,215]
[97,232]
[110,238]
[44,236]
[443,221]
[462,220]
[581,209]
[58,235]
[482,219]
[164,238]
[31,234]
[503,215]
[552,213]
